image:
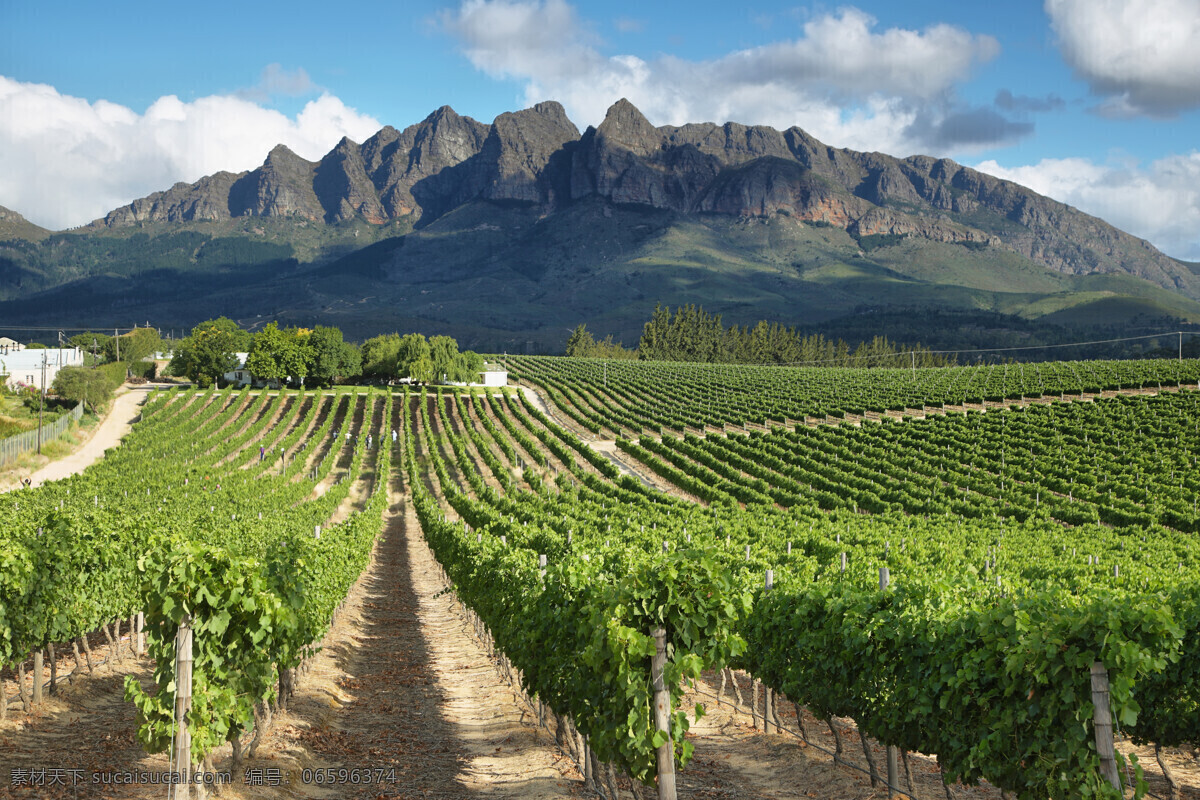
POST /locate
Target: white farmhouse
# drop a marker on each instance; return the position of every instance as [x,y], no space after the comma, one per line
[21,368]
[239,375]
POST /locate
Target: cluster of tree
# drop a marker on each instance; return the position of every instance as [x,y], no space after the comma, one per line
[93,387]
[317,355]
[139,343]
[584,345]
[692,334]
[314,355]
[210,351]
[419,359]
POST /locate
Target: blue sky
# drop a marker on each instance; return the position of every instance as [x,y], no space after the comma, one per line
[1094,102]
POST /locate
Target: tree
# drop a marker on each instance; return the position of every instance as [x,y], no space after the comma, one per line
[379,356]
[91,386]
[442,352]
[86,341]
[325,353]
[467,367]
[414,359]
[582,343]
[350,365]
[276,355]
[134,346]
[209,352]
[654,334]
[240,338]
[451,365]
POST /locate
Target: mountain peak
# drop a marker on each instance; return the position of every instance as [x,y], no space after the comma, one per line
[624,125]
[15,226]
[443,113]
[552,109]
[281,154]
[625,116]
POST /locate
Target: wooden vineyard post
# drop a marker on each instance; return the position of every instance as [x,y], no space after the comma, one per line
[1102,724]
[662,717]
[183,704]
[768,692]
[893,752]
[37,677]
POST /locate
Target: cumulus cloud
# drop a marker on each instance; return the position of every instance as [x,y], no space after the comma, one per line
[1008,101]
[1159,202]
[977,126]
[629,25]
[276,80]
[65,161]
[842,79]
[1140,55]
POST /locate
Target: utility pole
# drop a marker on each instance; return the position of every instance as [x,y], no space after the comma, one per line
[1181,345]
[117,339]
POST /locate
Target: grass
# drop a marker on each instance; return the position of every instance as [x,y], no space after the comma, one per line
[12,473]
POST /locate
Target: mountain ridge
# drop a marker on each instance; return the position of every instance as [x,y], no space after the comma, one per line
[509,234]
[538,156]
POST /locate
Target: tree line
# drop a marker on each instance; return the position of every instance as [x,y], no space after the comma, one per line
[693,334]
[318,356]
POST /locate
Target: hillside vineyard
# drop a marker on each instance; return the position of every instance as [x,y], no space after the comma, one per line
[1033,520]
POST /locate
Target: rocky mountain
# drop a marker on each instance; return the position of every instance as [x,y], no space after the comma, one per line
[14,226]
[538,157]
[508,235]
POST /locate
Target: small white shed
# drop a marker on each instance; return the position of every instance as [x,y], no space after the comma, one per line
[494,376]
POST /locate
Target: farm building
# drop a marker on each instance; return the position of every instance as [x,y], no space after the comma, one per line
[24,367]
[494,375]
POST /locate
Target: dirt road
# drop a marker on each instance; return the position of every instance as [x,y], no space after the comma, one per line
[125,410]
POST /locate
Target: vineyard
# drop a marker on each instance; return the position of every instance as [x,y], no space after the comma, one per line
[947,571]
[639,397]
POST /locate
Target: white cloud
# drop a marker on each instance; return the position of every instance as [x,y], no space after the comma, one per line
[517,39]
[842,80]
[65,161]
[1159,202]
[1141,55]
[276,80]
[629,25]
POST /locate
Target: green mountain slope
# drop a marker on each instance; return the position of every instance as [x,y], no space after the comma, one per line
[503,276]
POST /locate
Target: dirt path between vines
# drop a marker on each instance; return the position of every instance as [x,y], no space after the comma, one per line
[404,687]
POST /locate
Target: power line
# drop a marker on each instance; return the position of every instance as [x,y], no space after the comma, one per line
[93,328]
[1068,344]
